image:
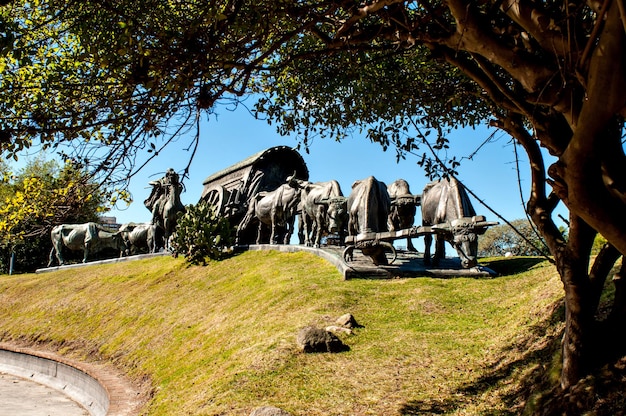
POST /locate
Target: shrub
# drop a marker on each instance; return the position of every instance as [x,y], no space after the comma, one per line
[201,233]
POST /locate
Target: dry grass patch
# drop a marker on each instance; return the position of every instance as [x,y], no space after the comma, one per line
[220,339]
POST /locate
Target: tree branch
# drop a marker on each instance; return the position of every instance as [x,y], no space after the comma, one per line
[579,172]
[538,25]
[360,13]
[539,207]
[470,36]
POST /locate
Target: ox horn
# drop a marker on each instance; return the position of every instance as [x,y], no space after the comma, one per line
[441,228]
[291,180]
[481,226]
[486,223]
[479,221]
[406,199]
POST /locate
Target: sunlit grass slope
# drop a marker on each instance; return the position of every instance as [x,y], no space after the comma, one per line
[220,339]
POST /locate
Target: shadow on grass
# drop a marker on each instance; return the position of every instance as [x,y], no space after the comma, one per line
[537,391]
[512,265]
[539,347]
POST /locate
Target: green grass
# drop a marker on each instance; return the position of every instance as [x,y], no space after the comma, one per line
[220,339]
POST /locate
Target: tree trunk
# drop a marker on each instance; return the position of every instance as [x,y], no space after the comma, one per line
[589,174]
[604,262]
[618,312]
[578,324]
[573,266]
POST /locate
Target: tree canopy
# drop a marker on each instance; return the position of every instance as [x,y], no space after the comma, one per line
[102,80]
[37,197]
[42,194]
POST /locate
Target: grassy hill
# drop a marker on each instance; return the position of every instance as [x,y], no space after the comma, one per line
[220,339]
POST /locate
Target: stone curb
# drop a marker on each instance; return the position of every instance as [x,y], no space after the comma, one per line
[100,391]
[410,266]
[107,261]
[333,258]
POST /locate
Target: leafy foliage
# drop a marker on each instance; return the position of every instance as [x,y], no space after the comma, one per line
[384,94]
[101,82]
[201,233]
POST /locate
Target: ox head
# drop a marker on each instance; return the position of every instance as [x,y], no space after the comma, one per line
[403,208]
[120,242]
[336,212]
[463,234]
[295,182]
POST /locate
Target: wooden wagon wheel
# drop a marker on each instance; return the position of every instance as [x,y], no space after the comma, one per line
[374,249]
[216,197]
[348,254]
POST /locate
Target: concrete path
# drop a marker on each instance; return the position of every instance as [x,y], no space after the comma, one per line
[96,389]
[22,397]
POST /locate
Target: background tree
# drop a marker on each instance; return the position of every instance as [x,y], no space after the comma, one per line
[520,239]
[128,75]
[38,197]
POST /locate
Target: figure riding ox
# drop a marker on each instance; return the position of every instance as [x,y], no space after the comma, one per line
[275,209]
[447,208]
[142,237]
[323,211]
[368,211]
[403,208]
[88,237]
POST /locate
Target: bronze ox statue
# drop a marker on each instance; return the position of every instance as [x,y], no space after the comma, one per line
[142,237]
[368,210]
[274,209]
[89,237]
[403,208]
[323,210]
[447,208]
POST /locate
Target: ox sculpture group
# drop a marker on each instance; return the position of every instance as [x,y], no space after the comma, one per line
[370,218]
[274,209]
[322,211]
[131,238]
[446,210]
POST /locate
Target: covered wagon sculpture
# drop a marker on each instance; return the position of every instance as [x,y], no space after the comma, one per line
[233,190]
